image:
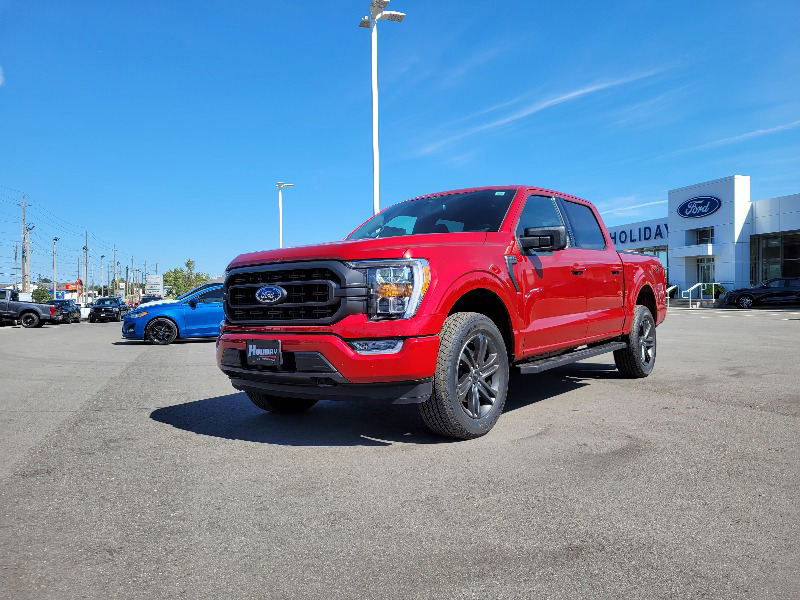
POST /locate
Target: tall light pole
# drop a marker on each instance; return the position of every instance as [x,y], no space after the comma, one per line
[377,12]
[55,239]
[102,275]
[280,185]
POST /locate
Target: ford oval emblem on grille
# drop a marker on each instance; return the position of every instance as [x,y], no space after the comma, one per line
[699,206]
[270,294]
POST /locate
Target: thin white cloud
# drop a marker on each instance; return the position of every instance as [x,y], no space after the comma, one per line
[531,109]
[632,207]
[2,76]
[736,138]
[478,59]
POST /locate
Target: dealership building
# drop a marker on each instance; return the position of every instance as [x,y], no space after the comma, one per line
[714,233]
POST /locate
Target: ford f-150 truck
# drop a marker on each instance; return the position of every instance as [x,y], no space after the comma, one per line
[29,314]
[433,300]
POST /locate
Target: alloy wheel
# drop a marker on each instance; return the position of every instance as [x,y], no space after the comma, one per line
[477,377]
[647,340]
[162,331]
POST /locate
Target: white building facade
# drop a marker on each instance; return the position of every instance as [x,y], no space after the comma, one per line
[714,233]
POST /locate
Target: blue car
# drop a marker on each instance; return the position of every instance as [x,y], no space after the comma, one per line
[194,314]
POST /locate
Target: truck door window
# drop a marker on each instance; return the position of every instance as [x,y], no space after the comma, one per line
[539,211]
[585,229]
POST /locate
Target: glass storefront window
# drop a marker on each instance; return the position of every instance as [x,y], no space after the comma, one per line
[775,255]
[770,257]
[705,269]
[791,255]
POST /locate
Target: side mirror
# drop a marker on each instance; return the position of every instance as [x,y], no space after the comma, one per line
[544,239]
[193,302]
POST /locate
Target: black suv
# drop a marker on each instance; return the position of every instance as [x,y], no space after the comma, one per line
[107,309]
[70,312]
[782,290]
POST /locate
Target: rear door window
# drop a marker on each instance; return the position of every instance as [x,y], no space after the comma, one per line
[585,228]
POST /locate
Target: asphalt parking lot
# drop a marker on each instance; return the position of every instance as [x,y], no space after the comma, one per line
[136,471]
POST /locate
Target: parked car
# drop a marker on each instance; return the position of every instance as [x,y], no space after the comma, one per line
[782,290]
[433,300]
[197,313]
[28,314]
[70,312]
[107,309]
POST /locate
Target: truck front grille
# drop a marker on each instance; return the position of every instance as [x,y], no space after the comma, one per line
[316,293]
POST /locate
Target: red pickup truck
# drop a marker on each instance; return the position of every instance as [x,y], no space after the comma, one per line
[433,300]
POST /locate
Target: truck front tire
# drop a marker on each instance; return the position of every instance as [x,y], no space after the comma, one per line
[280,405]
[471,379]
[638,359]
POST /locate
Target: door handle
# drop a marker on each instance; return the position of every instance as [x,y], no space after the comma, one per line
[578,269]
[616,271]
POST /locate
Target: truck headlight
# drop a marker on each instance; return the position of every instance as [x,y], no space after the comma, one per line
[396,287]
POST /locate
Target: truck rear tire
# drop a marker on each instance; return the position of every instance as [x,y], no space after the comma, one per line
[279,404]
[638,359]
[471,379]
[30,320]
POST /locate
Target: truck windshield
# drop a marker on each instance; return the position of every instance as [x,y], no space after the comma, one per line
[482,210]
[105,302]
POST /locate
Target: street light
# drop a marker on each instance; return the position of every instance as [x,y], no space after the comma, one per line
[280,185]
[377,12]
[55,239]
[102,275]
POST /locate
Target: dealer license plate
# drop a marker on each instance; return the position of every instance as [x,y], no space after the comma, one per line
[263,353]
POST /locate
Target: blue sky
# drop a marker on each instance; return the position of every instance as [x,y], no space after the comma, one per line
[163,126]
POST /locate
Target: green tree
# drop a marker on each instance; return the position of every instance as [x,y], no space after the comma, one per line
[40,294]
[183,279]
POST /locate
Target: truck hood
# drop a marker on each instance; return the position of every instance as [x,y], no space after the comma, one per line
[407,246]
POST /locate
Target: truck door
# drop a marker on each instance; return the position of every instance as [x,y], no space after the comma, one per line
[203,318]
[552,298]
[601,271]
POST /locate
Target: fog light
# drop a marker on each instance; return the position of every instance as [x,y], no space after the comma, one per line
[377,346]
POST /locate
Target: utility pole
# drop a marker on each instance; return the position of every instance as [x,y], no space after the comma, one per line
[102,275]
[126,281]
[26,249]
[114,281]
[16,268]
[55,239]
[133,274]
[86,269]
[156,268]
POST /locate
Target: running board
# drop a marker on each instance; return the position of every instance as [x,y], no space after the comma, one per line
[537,366]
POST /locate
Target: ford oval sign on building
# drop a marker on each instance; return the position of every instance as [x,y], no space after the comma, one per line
[699,206]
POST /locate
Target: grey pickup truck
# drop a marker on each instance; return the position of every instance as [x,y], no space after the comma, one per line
[28,314]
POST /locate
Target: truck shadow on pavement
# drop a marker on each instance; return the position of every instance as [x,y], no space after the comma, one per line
[354,423]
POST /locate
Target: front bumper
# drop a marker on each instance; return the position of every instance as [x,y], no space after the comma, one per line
[325,367]
[133,329]
[106,316]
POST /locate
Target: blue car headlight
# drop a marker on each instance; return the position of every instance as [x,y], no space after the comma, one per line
[136,315]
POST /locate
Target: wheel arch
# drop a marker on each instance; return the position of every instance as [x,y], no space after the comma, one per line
[489,304]
[646,297]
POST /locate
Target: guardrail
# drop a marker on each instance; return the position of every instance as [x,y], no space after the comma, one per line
[700,287]
[669,290]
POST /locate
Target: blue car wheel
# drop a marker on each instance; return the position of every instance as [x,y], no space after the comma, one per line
[161,331]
